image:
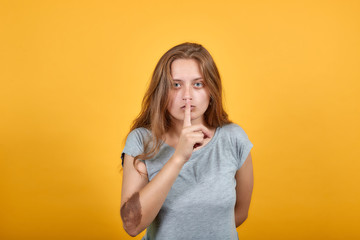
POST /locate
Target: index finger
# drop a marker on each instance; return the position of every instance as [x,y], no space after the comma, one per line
[187,114]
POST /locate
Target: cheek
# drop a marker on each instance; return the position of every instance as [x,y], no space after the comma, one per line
[172,101]
[174,98]
[205,97]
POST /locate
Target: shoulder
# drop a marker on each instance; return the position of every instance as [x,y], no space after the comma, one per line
[139,134]
[238,141]
[233,130]
[141,131]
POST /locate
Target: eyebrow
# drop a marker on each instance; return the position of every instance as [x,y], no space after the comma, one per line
[192,80]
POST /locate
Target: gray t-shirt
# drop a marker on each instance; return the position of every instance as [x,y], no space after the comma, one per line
[200,204]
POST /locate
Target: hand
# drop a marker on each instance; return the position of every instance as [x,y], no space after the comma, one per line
[192,136]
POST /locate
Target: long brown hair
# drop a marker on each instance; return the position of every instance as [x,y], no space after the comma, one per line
[154,115]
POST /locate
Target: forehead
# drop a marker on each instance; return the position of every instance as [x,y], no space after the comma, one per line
[185,68]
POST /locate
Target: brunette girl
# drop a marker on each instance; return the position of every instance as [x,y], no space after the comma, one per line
[187,169]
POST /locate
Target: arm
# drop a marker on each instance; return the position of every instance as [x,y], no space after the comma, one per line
[141,200]
[244,186]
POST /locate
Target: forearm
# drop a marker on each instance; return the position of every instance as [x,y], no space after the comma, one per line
[240,217]
[152,196]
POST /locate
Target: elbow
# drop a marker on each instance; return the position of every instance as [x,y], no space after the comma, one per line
[132,232]
[241,219]
[130,228]
[131,215]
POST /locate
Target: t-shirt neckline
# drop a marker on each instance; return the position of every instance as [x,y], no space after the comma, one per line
[212,140]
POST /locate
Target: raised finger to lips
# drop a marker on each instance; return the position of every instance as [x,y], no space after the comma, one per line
[187,113]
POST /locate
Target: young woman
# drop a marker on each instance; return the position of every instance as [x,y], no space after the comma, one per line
[187,169]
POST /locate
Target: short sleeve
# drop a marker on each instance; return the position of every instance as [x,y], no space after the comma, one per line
[134,143]
[243,145]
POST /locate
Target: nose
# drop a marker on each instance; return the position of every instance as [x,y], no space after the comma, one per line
[187,94]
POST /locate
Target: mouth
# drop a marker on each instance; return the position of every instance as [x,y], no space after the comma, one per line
[183,107]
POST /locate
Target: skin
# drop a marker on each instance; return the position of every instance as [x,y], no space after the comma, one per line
[244,187]
[131,211]
[188,85]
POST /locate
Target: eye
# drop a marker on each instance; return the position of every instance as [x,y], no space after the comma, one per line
[199,84]
[176,85]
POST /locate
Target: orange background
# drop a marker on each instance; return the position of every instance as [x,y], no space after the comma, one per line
[73,74]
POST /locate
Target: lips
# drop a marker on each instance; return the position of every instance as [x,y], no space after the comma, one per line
[192,106]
